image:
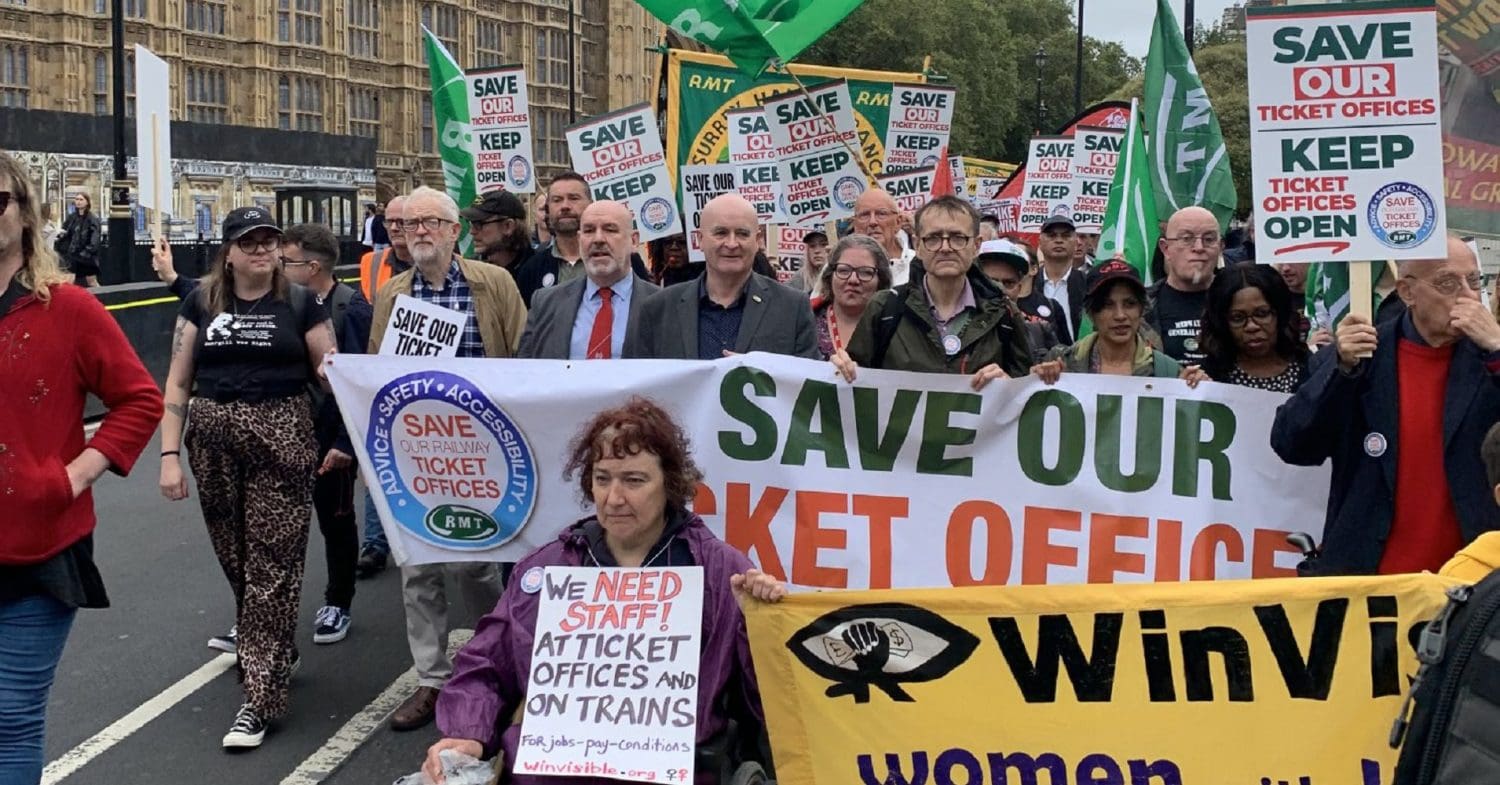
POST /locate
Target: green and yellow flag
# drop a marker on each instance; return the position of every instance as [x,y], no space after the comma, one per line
[752,33]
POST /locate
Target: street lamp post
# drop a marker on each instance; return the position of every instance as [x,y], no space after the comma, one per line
[1040,59]
[1078,66]
[121,228]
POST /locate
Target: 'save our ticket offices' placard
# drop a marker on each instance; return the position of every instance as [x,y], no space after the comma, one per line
[921,117]
[911,189]
[613,689]
[816,140]
[1096,152]
[501,121]
[701,183]
[620,156]
[1048,186]
[752,153]
[421,329]
[1346,132]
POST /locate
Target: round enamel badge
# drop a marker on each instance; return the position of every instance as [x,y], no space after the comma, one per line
[1375,445]
[531,582]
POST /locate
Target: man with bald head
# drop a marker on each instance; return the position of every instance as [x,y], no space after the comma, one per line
[729,308]
[876,214]
[1402,409]
[586,318]
[378,266]
[1190,249]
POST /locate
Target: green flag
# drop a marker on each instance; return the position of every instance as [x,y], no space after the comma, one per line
[1326,293]
[1189,163]
[752,33]
[450,118]
[1129,229]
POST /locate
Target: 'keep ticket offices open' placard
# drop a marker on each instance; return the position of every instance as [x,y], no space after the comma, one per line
[501,121]
[620,156]
[613,690]
[815,138]
[752,152]
[421,329]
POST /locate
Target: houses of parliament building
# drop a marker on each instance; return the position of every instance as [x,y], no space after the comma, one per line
[276,92]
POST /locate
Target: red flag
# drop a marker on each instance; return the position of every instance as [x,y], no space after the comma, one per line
[942,179]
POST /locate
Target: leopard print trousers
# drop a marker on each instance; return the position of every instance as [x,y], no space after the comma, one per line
[254,465]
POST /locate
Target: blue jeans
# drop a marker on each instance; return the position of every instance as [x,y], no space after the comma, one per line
[374,534]
[32,633]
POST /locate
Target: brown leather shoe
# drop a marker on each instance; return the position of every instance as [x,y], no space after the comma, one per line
[417,711]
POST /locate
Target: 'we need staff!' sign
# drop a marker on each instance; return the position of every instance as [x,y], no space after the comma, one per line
[1345,132]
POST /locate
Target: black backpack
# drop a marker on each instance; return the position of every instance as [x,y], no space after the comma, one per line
[1453,735]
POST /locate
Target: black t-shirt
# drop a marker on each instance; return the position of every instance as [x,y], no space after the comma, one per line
[256,350]
[1179,315]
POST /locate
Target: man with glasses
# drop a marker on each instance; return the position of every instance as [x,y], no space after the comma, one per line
[1062,280]
[876,215]
[497,223]
[1190,250]
[1401,410]
[377,266]
[948,318]
[494,319]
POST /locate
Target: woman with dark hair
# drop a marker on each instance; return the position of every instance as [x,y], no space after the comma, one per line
[250,342]
[78,243]
[1115,300]
[1250,332]
[856,270]
[634,463]
[669,260]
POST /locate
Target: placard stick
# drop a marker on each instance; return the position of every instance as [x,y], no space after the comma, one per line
[859,157]
[155,178]
[1360,293]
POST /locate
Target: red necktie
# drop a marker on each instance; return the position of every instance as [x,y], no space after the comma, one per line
[604,324]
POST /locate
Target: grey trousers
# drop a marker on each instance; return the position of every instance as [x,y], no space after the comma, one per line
[430,615]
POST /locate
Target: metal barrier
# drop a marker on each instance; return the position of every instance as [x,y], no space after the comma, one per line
[191,258]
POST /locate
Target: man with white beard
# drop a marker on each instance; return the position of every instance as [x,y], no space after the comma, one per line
[1190,248]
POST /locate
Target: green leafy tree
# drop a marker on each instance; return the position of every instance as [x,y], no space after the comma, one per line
[986,50]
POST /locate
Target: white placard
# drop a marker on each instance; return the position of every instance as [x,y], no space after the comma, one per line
[1048,186]
[816,141]
[752,152]
[1345,133]
[700,184]
[153,121]
[620,156]
[421,329]
[613,689]
[790,252]
[987,193]
[1095,153]
[911,189]
[921,118]
[960,176]
[500,119]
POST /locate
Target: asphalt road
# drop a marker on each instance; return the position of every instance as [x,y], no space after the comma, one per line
[124,664]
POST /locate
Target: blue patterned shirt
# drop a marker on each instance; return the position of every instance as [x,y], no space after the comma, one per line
[718,327]
[455,296]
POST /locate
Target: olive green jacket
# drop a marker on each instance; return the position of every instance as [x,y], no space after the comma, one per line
[1147,361]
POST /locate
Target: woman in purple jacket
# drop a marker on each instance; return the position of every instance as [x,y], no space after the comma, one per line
[634,463]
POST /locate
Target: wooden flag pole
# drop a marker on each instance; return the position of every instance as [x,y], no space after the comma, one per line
[1361,293]
[859,157]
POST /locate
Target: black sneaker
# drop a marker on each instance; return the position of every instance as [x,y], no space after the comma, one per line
[229,644]
[248,730]
[331,625]
[371,561]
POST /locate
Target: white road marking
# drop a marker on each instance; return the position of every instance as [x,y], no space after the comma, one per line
[120,729]
[334,752]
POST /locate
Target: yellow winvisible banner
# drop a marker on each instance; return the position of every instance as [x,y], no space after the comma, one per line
[1256,682]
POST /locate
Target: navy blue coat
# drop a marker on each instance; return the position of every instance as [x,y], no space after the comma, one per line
[1330,418]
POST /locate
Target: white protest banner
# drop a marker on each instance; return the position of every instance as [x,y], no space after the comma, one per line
[422,329]
[911,189]
[500,119]
[921,117]
[153,132]
[1095,151]
[790,251]
[613,690]
[1048,185]
[620,156]
[700,184]
[1346,132]
[752,152]
[815,140]
[898,480]
[987,193]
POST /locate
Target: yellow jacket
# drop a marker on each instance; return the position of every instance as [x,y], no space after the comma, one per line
[1476,560]
[497,307]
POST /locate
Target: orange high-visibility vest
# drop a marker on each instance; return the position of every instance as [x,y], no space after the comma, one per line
[373,272]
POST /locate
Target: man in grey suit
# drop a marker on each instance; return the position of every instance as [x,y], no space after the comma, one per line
[587,318]
[728,309]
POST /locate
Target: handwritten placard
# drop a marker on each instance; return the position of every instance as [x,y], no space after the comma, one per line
[613,690]
[421,329]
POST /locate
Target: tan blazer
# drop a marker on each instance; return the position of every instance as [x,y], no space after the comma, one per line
[497,306]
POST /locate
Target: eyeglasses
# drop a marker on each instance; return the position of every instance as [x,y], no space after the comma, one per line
[875,215]
[1209,239]
[934,242]
[864,274]
[6,197]
[393,225]
[432,224]
[269,242]
[1451,285]
[1262,315]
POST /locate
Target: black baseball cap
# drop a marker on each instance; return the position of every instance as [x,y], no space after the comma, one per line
[1062,217]
[243,220]
[1102,275]
[494,205]
[811,233]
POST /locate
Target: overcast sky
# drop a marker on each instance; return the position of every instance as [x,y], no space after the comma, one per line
[1129,21]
